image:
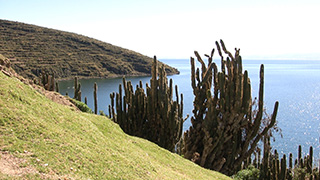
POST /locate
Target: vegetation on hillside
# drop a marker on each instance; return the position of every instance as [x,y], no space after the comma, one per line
[226,126]
[41,139]
[33,48]
[150,113]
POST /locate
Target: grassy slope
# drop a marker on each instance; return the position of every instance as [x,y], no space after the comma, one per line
[32,48]
[62,142]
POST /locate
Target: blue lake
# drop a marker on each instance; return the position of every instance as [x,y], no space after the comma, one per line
[295,84]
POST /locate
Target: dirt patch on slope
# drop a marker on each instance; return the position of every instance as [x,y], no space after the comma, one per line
[12,166]
[18,167]
[55,96]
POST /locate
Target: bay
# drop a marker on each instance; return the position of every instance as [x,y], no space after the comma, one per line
[294,83]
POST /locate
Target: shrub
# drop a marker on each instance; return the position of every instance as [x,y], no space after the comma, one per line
[251,173]
[82,106]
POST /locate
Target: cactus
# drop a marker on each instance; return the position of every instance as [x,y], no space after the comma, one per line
[57,87]
[77,90]
[95,88]
[47,81]
[150,113]
[309,160]
[227,124]
[300,156]
[283,168]
[303,168]
[112,113]
[52,83]
[225,128]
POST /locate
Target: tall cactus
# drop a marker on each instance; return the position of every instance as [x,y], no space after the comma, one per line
[225,128]
[77,90]
[150,113]
[57,87]
[86,100]
[95,89]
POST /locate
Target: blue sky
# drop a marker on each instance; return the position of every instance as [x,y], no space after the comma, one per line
[274,29]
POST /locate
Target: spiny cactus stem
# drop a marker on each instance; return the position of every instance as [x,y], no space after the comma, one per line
[95,89]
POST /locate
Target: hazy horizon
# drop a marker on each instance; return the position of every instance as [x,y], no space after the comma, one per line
[285,30]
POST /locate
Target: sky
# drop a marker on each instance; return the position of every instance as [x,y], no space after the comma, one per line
[269,29]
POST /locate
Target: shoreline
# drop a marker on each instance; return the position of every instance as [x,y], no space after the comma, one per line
[109,77]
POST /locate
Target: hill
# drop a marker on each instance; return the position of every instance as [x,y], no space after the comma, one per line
[41,139]
[33,48]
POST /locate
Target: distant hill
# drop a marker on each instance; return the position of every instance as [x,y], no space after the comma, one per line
[33,48]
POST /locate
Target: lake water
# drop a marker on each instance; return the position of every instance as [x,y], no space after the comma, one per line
[295,84]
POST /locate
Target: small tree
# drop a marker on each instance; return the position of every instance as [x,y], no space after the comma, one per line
[225,131]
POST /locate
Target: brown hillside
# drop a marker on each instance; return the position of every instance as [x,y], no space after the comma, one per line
[33,48]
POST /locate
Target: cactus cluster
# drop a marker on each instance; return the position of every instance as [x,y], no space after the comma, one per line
[150,114]
[47,81]
[273,168]
[225,128]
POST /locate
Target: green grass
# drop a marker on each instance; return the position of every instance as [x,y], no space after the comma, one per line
[63,142]
[33,48]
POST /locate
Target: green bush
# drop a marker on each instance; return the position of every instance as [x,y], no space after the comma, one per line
[102,113]
[251,173]
[300,173]
[82,106]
